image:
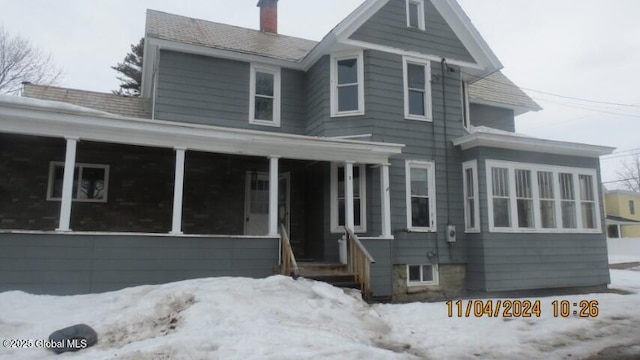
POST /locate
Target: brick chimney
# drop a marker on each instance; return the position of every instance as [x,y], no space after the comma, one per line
[268,15]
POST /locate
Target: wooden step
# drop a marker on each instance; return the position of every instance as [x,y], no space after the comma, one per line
[321,269]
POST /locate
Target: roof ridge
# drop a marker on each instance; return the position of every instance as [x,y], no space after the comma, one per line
[196,20]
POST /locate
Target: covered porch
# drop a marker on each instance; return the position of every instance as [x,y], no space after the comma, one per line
[108,179]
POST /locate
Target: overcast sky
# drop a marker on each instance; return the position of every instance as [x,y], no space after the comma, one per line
[576,48]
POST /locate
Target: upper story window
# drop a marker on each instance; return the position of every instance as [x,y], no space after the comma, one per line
[421,203]
[466,119]
[338,198]
[347,84]
[632,207]
[417,89]
[90,182]
[537,198]
[264,105]
[471,204]
[415,14]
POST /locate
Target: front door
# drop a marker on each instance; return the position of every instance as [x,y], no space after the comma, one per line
[257,203]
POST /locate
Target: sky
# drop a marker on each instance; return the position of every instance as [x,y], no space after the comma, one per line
[587,49]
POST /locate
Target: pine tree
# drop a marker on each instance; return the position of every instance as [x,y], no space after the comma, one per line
[131,70]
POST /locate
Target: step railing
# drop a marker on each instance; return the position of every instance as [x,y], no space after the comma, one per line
[289,266]
[359,262]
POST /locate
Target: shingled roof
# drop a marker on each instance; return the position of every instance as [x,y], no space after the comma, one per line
[120,105]
[497,88]
[161,25]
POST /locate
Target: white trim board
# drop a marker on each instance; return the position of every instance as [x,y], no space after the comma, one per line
[51,119]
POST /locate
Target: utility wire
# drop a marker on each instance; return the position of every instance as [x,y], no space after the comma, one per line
[621,151]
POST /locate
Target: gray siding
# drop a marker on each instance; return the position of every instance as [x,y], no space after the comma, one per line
[317,102]
[491,116]
[502,261]
[381,270]
[388,27]
[212,91]
[75,264]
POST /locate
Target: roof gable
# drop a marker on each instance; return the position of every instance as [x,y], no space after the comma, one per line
[388,27]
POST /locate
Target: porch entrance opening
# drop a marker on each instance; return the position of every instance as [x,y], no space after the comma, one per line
[257,202]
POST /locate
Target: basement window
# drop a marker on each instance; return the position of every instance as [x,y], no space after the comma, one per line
[422,275]
[90,182]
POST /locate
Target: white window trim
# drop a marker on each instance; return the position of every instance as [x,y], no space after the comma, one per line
[436,276]
[358,55]
[276,94]
[335,228]
[421,21]
[473,165]
[576,172]
[466,119]
[427,91]
[52,166]
[431,166]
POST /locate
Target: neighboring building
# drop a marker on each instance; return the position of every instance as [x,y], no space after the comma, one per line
[398,124]
[623,213]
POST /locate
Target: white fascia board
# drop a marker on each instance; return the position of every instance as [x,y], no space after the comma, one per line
[461,25]
[42,121]
[148,62]
[224,54]
[531,144]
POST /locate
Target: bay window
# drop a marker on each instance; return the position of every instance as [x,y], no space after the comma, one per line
[541,198]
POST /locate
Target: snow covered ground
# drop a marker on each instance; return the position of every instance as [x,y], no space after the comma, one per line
[280,318]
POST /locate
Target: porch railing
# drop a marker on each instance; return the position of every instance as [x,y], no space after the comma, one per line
[289,266]
[359,262]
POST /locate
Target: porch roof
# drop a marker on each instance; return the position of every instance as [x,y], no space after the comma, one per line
[489,137]
[54,119]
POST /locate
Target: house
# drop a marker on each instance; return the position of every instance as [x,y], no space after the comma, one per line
[623,214]
[390,146]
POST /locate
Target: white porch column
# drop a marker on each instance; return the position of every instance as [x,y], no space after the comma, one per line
[385,200]
[178,189]
[67,185]
[348,195]
[273,195]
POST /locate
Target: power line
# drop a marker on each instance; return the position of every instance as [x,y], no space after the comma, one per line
[617,181]
[621,151]
[620,156]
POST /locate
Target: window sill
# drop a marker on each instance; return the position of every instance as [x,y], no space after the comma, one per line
[545,231]
[346,114]
[472,231]
[421,230]
[265,123]
[415,287]
[357,230]
[418,118]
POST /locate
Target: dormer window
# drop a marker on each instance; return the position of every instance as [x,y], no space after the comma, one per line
[264,107]
[415,14]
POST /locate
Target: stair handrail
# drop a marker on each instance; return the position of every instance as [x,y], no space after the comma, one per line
[359,262]
[289,265]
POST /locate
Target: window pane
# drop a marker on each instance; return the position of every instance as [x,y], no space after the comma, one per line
[58,179]
[586,187]
[347,71]
[348,98]
[92,185]
[545,184]
[420,212]
[566,187]
[264,108]
[414,273]
[357,219]
[419,182]
[341,212]
[548,214]
[500,178]
[471,213]
[341,182]
[569,215]
[356,181]
[501,212]
[416,103]
[413,15]
[416,77]
[612,231]
[469,179]
[525,213]
[264,84]
[523,184]
[588,215]
[632,207]
[427,273]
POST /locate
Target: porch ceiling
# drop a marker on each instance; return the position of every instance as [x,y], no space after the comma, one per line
[53,119]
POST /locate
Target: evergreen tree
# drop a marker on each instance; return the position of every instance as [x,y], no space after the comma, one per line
[131,71]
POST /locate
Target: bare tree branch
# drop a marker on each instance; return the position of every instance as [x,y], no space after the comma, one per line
[21,62]
[629,173]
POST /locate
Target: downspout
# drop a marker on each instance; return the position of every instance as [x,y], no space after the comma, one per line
[443,69]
